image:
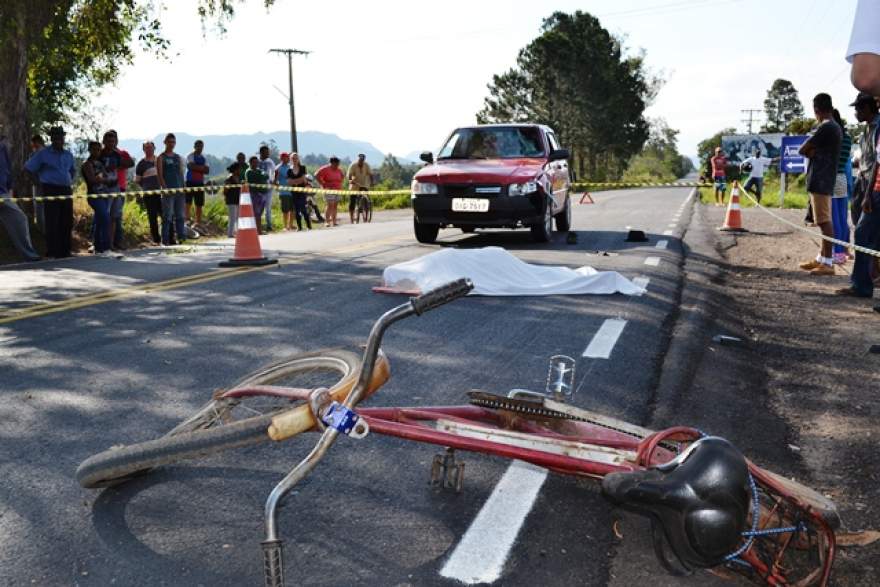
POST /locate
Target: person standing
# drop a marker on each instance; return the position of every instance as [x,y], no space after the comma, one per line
[232,194]
[268,167]
[719,175]
[196,170]
[13,219]
[53,167]
[99,181]
[840,196]
[330,177]
[822,147]
[360,178]
[119,162]
[284,196]
[146,176]
[257,180]
[297,178]
[170,170]
[756,174]
[867,112]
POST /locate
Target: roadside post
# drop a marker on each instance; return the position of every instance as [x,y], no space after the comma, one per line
[791,161]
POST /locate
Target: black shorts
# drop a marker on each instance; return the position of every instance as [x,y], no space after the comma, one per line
[195,196]
[353,199]
[286,203]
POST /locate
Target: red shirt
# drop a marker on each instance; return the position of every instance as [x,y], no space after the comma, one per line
[330,178]
[122,172]
[719,162]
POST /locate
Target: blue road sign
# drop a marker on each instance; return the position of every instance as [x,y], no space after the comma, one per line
[790,161]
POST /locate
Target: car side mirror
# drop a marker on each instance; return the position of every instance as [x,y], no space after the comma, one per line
[559,154]
[427,157]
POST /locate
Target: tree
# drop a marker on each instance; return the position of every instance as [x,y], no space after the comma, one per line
[706,148]
[782,105]
[801,126]
[659,160]
[55,53]
[576,78]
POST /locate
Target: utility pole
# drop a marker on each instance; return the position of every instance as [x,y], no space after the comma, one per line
[750,112]
[290,53]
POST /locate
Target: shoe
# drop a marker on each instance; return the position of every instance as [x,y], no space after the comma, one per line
[823,270]
[840,258]
[810,265]
[849,292]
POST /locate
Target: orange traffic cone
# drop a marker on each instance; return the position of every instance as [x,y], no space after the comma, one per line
[733,218]
[247,238]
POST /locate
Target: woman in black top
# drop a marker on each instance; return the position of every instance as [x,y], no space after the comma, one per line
[296,177]
[99,181]
[232,193]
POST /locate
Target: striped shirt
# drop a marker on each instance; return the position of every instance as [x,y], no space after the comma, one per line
[845,150]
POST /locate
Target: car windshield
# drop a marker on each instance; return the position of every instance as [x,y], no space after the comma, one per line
[493,143]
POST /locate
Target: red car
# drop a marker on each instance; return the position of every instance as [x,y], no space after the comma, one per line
[494,176]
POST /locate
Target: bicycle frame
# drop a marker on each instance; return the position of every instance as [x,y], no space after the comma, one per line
[581,443]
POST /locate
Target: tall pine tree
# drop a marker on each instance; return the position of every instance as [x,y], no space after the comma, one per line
[782,106]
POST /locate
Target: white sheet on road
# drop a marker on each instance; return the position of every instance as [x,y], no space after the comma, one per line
[495,272]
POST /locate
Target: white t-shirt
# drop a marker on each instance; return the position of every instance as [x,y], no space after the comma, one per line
[758,165]
[865,36]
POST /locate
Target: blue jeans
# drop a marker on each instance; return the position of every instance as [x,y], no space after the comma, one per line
[867,234]
[116,205]
[840,219]
[268,206]
[173,208]
[101,206]
[758,183]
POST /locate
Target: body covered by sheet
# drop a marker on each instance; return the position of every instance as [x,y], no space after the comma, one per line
[495,272]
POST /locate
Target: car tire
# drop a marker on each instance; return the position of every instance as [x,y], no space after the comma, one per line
[563,219]
[425,233]
[543,230]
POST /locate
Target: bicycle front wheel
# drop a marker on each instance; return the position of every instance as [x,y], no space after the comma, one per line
[229,420]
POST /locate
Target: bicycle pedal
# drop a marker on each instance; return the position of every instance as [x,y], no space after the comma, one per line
[446,473]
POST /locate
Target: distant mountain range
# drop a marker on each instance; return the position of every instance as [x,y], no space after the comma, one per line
[310,142]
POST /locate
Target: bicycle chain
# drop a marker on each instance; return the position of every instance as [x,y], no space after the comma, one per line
[534,409]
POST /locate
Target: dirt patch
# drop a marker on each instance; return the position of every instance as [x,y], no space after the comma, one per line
[821,382]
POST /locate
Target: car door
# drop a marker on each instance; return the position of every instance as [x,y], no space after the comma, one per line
[558,174]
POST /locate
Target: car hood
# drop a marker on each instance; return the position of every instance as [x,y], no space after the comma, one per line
[500,171]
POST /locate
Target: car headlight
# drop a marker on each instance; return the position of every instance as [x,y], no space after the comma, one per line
[522,189]
[421,188]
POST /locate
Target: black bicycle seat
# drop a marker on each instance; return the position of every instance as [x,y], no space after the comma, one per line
[700,500]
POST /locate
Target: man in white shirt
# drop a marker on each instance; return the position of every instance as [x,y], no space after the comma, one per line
[864,48]
[756,175]
[268,166]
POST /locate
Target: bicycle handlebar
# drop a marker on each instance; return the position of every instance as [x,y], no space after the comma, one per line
[441,295]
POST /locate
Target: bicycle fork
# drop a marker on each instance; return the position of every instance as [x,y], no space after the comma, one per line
[273,559]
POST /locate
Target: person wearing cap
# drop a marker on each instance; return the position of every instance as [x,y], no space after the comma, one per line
[330,177]
[13,219]
[284,196]
[268,167]
[719,175]
[53,167]
[360,178]
[866,199]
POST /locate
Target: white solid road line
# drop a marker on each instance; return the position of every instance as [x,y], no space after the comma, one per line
[605,338]
[652,261]
[484,548]
[662,244]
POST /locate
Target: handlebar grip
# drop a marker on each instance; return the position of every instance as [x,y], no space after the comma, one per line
[441,295]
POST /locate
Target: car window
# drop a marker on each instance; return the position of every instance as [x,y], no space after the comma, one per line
[554,144]
[493,143]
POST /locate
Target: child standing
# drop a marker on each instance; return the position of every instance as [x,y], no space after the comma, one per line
[232,193]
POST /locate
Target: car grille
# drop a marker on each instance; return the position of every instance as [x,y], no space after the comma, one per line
[472,190]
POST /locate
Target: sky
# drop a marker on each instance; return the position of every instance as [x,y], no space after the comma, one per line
[402,74]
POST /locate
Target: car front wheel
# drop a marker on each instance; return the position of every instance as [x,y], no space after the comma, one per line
[543,230]
[425,233]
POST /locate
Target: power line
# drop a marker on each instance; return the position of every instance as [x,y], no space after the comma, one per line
[750,112]
[290,53]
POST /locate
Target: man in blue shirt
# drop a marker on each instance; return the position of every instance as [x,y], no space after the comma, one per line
[53,168]
[11,215]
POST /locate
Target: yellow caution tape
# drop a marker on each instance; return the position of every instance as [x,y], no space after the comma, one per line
[625,184]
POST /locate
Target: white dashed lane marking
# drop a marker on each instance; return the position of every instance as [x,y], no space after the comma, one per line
[652,261]
[484,548]
[667,233]
[605,338]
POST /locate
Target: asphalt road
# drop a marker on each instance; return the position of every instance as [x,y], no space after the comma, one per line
[79,378]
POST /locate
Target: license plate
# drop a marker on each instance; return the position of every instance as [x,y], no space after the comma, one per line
[470,205]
